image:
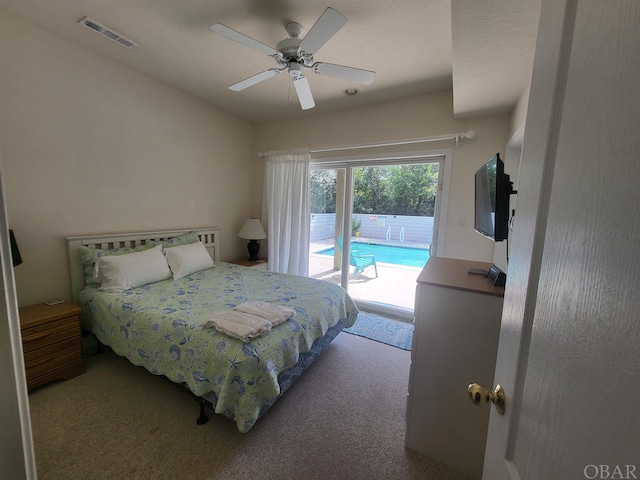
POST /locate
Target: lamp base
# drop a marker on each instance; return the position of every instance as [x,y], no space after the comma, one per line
[253,247]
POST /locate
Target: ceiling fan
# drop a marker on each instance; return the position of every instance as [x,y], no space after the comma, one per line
[295,54]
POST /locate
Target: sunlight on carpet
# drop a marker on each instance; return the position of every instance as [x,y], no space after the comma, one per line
[382,329]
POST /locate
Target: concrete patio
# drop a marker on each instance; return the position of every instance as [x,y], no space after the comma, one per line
[394,287]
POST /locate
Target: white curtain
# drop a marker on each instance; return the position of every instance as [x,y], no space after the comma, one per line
[286,211]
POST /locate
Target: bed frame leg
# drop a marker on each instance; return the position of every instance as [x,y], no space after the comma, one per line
[202,419]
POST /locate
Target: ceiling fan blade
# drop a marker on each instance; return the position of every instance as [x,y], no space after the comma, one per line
[304,92]
[325,27]
[242,39]
[248,82]
[346,73]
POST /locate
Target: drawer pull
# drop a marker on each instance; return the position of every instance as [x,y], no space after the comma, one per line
[37,336]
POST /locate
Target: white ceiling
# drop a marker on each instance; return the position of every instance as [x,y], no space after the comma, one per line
[408,43]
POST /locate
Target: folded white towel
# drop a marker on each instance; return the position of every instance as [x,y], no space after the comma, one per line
[276,314]
[240,325]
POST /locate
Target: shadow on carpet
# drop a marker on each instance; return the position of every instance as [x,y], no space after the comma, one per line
[382,329]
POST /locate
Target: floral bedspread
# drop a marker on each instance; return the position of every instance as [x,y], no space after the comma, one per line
[159,327]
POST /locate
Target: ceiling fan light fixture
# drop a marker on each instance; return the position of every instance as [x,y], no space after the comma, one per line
[351,92]
[295,69]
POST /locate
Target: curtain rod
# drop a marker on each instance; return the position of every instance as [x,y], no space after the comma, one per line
[450,136]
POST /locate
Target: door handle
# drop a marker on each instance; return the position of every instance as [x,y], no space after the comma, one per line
[480,395]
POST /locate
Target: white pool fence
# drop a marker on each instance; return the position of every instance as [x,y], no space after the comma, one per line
[395,229]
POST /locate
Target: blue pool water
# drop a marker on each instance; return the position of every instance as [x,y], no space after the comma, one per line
[411,257]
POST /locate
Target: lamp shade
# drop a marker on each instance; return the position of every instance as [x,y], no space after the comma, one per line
[252,230]
[15,253]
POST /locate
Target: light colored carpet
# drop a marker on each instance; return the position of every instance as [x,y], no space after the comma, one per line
[383,329]
[343,419]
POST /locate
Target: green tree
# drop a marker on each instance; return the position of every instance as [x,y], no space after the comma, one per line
[323,191]
[370,190]
[392,190]
[412,189]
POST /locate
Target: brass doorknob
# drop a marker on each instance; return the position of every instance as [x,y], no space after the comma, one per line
[480,395]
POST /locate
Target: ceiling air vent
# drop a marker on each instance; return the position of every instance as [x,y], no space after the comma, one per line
[107,32]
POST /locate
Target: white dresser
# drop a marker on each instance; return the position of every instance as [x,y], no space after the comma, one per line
[455,343]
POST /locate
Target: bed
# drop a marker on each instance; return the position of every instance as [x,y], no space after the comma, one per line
[161,325]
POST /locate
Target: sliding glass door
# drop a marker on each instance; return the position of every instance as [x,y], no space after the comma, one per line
[327,223]
[372,226]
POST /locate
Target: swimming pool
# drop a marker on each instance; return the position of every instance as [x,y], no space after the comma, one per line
[398,255]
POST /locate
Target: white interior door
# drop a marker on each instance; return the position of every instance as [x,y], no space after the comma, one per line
[568,355]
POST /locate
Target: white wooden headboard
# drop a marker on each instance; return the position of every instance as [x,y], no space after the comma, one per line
[210,237]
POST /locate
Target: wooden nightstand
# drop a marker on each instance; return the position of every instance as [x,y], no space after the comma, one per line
[51,341]
[261,264]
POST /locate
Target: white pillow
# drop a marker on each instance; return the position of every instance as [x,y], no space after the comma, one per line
[123,272]
[187,259]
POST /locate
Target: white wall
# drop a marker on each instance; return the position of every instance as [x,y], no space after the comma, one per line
[519,114]
[512,158]
[415,117]
[90,146]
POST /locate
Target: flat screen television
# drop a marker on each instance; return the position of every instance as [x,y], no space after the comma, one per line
[492,190]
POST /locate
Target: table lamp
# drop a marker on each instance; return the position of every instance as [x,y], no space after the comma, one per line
[253,231]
